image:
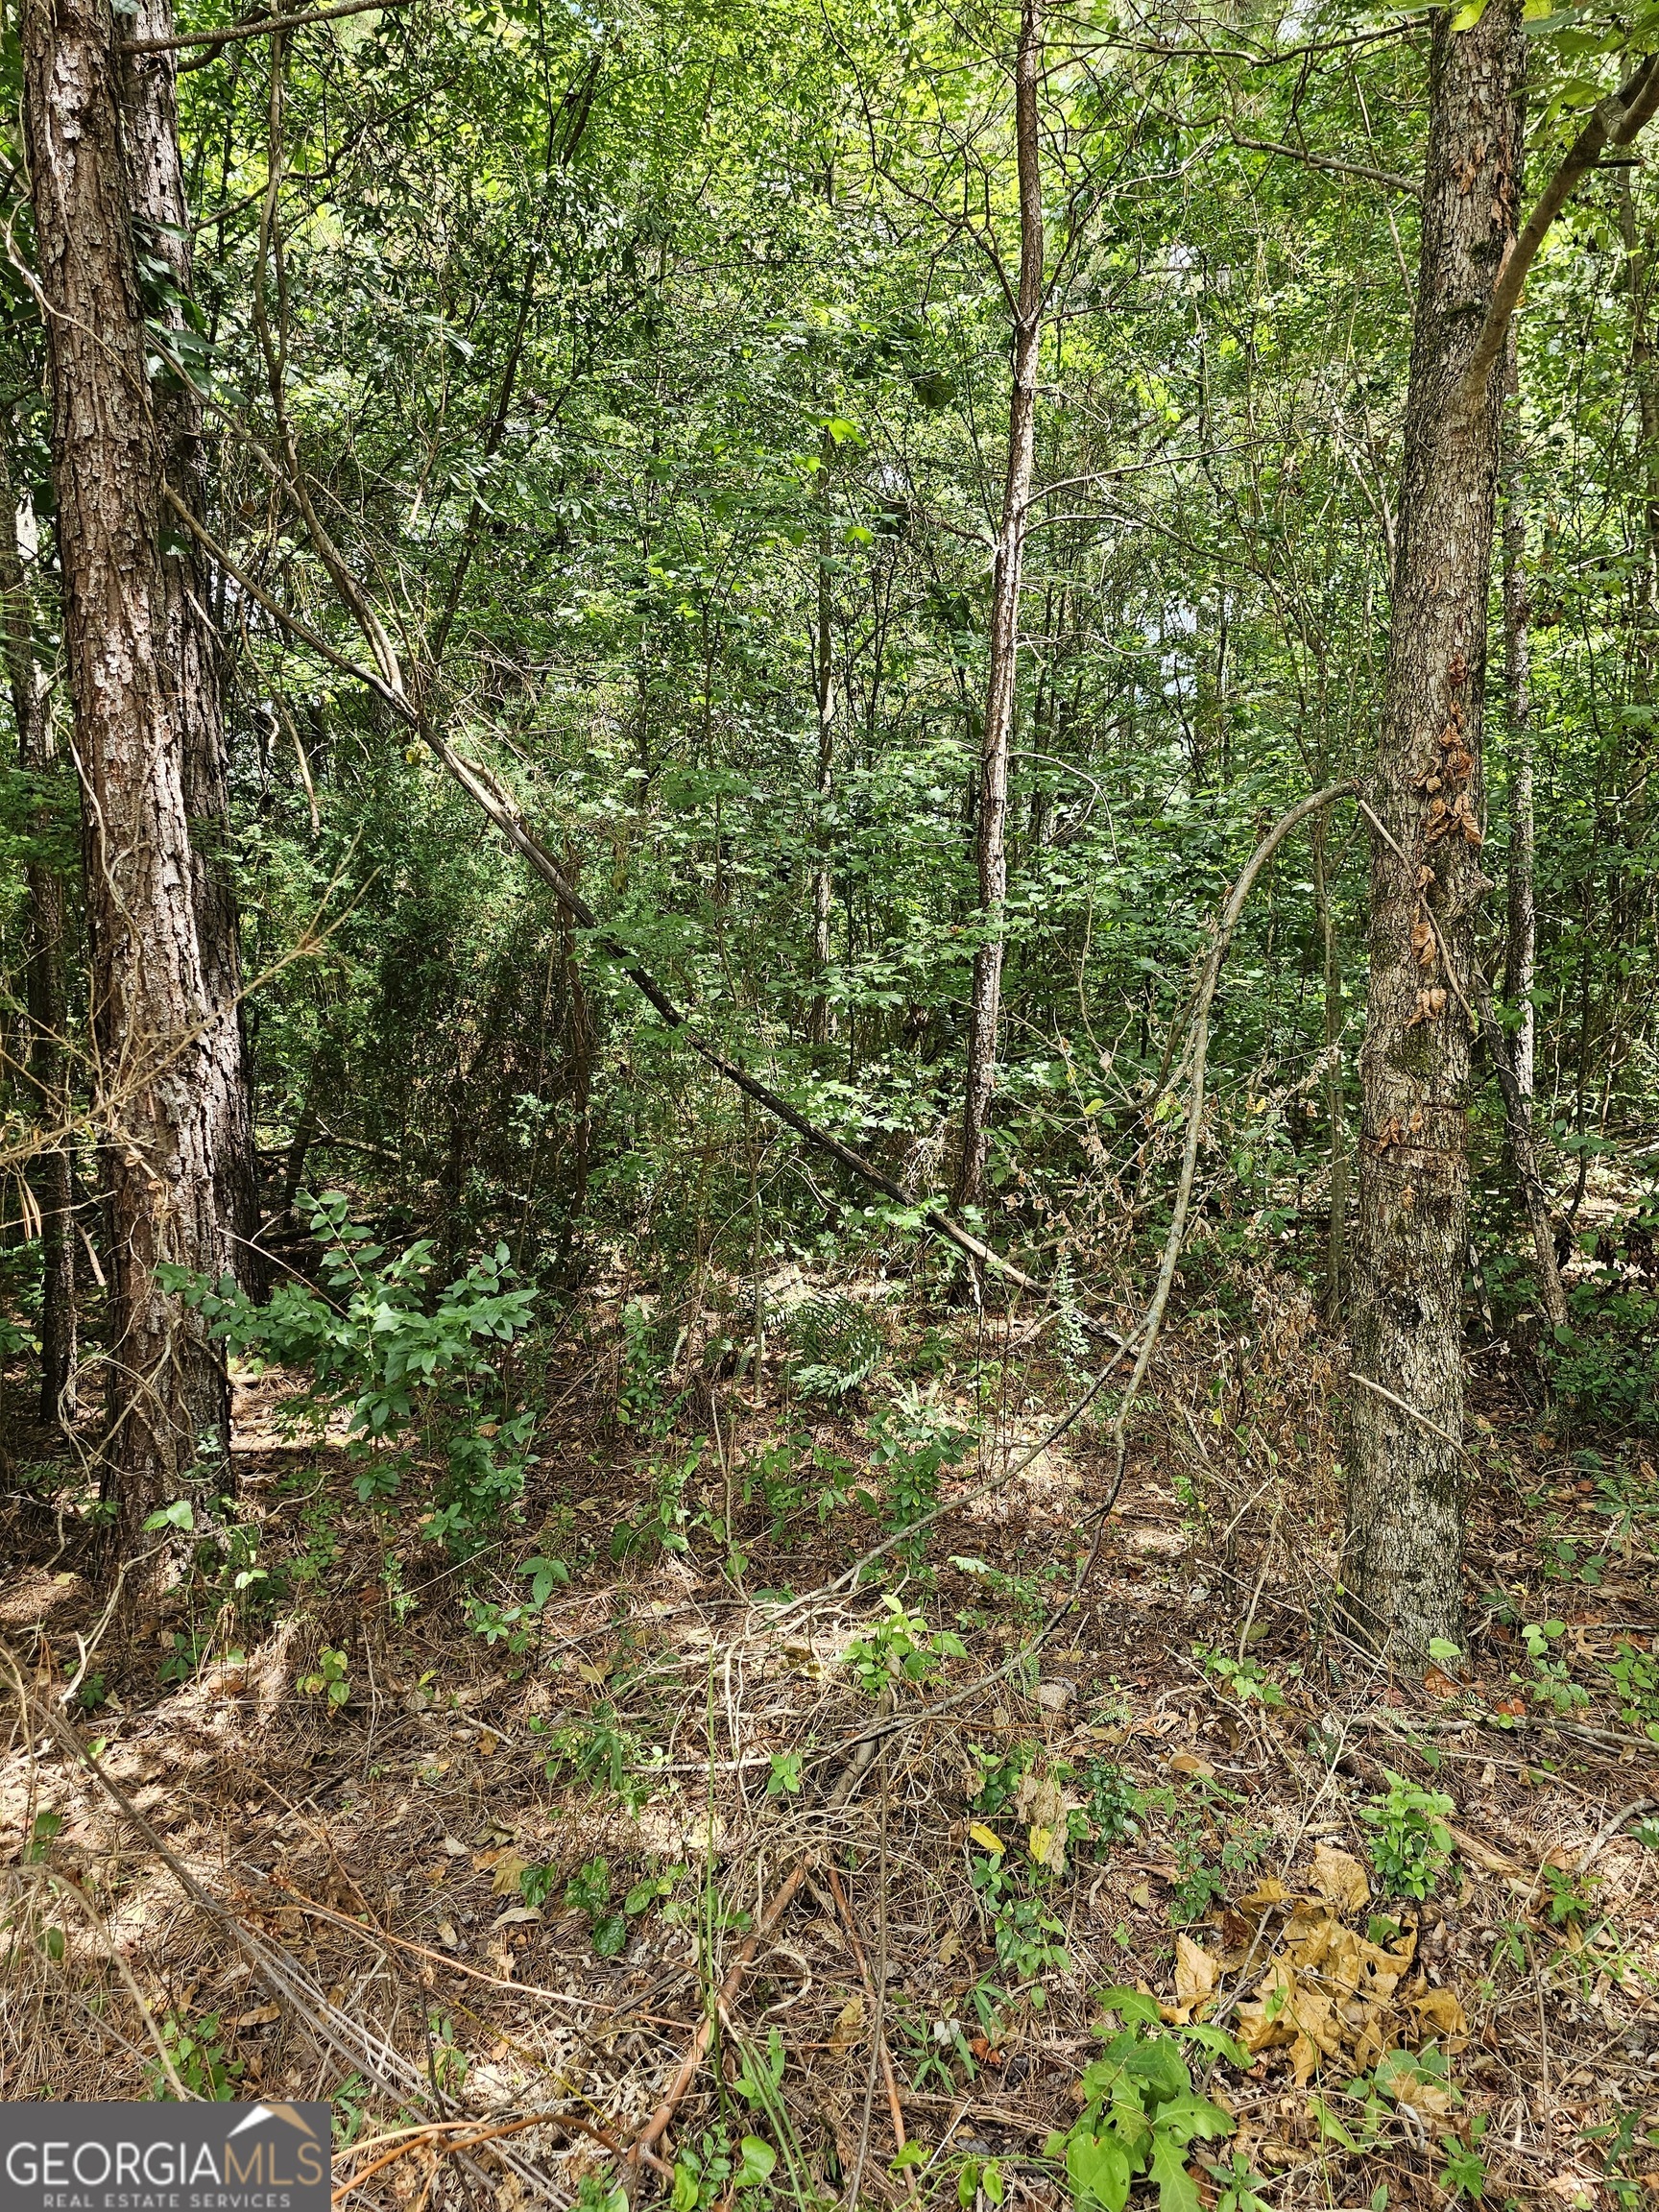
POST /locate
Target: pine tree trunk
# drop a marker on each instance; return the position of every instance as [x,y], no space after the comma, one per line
[992,813]
[155,182]
[53,1177]
[153,1078]
[1405,1535]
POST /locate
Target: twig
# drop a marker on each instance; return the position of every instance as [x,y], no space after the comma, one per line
[232,31]
[1422,1419]
[1612,1826]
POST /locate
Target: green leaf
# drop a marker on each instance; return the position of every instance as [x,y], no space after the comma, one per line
[1177,2190]
[1184,2117]
[756,2164]
[1219,2042]
[1131,2005]
[180,1514]
[1098,2168]
[611,1935]
[1469,14]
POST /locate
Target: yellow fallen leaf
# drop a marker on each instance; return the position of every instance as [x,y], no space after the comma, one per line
[987,1838]
[1189,1762]
[509,1866]
[1340,1877]
[1269,1891]
[1442,2010]
[1196,1975]
[1142,1894]
[849,2027]
[1047,1847]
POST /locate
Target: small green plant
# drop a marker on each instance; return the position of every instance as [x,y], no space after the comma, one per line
[1411,1845]
[331,1680]
[1464,2173]
[708,2173]
[1550,1684]
[1240,1679]
[199,2060]
[784,1779]
[837,1343]
[1112,1807]
[1141,2115]
[449,2062]
[912,1442]
[599,1750]
[1028,1939]
[537,1883]
[899,1647]
[1238,2184]
[1630,2138]
[182,1655]
[1635,1677]
[1571,1898]
[589,1891]
[395,1354]
[979,2178]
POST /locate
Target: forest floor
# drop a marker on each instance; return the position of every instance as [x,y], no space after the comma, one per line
[368,1829]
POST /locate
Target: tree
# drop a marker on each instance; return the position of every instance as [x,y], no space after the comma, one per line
[991,833]
[155,182]
[152,1018]
[1406,1474]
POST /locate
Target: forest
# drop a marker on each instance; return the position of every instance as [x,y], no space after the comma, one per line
[830,1096]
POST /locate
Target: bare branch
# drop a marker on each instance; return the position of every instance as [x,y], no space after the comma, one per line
[1616,121]
[234,32]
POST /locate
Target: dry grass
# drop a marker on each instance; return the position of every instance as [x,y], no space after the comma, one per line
[338,1892]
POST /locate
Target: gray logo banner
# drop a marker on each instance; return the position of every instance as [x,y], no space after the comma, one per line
[251,2158]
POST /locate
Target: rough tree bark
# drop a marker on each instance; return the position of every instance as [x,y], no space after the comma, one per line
[156,186]
[991,849]
[153,1080]
[1405,1505]
[47,997]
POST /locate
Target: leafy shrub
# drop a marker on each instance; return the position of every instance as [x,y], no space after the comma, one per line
[1604,1364]
[899,1647]
[912,1442]
[1411,1844]
[1139,2112]
[382,1346]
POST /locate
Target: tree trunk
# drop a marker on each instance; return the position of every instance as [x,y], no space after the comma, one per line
[1405,1507]
[1336,1121]
[153,1079]
[1513,1053]
[820,1025]
[52,1178]
[991,843]
[1644,375]
[156,184]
